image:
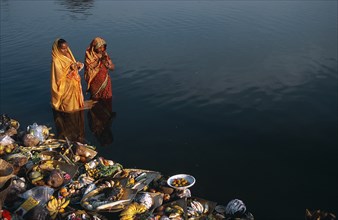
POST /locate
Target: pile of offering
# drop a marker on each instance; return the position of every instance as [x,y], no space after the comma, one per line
[42,177]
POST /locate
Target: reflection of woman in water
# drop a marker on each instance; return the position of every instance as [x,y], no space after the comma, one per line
[100,119]
[70,125]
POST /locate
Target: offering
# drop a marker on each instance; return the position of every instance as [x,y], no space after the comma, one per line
[181,181]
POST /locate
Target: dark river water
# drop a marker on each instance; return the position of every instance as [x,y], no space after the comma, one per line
[240,94]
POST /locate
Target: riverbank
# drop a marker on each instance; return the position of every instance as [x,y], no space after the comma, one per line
[43,177]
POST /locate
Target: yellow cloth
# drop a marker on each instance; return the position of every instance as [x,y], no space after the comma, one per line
[66,90]
[92,60]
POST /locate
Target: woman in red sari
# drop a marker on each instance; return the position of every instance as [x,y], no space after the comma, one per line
[97,66]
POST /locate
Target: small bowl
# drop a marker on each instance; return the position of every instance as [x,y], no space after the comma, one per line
[187,177]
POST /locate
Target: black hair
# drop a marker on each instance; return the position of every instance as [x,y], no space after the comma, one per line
[61,41]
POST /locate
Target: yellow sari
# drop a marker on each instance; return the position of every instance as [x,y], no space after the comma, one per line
[66,90]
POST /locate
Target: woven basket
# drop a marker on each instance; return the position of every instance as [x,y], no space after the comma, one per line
[6,172]
[4,190]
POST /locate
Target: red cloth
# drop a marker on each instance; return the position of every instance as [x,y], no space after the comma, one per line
[96,83]
[6,215]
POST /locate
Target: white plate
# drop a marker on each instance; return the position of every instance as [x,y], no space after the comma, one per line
[189,178]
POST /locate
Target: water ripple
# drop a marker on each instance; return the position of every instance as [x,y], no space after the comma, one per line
[251,78]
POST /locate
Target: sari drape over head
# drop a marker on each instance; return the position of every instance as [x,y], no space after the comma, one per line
[66,90]
[96,73]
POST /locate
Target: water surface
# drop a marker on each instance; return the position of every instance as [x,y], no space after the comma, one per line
[240,94]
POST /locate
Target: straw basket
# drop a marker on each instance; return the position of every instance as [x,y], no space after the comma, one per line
[4,191]
[6,172]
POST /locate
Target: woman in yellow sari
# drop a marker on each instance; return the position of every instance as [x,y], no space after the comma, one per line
[65,79]
[97,66]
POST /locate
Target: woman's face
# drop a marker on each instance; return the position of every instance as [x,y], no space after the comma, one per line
[100,49]
[64,49]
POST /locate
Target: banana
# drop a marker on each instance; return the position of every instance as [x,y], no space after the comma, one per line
[206,208]
[50,209]
[130,210]
[200,207]
[126,213]
[65,204]
[197,206]
[51,206]
[57,205]
[37,179]
[141,208]
[191,212]
[178,208]
[54,202]
[109,183]
[127,217]
[132,207]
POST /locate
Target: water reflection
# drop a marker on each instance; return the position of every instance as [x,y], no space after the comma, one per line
[80,9]
[70,125]
[100,119]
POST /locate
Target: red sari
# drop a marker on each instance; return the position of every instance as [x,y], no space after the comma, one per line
[100,86]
